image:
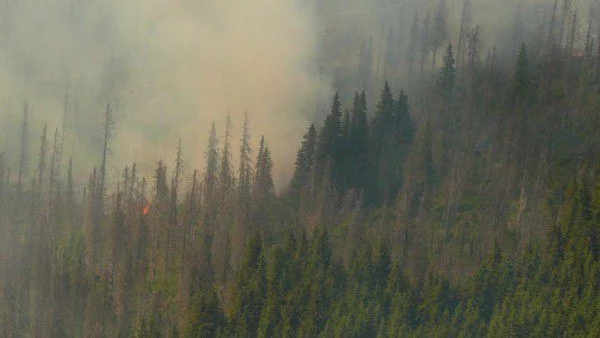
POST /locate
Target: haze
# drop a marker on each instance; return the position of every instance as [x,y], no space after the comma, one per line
[169,68]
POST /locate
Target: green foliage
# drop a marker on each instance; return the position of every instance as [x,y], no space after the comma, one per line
[447,74]
[522,83]
[303,291]
[328,153]
[484,223]
[207,317]
[304,162]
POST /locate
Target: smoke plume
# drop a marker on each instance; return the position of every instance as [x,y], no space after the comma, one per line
[168,68]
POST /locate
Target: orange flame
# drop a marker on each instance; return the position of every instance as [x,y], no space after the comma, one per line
[146,210]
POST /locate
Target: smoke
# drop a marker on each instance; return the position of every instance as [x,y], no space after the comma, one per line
[168,68]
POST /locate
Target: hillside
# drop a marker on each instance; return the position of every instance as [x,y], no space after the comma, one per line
[465,204]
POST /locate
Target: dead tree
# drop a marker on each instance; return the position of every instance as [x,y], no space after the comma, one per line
[465,23]
[23,156]
[108,127]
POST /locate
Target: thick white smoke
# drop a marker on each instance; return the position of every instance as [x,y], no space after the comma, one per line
[168,68]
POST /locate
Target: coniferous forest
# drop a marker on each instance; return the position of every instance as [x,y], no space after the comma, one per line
[464,201]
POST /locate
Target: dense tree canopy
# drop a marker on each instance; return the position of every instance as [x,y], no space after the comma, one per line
[467,204]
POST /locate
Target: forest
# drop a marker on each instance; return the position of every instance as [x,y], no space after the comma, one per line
[460,196]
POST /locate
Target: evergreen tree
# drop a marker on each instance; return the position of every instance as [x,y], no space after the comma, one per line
[250,292]
[358,143]
[440,29]
[245,178]
[413,41]
[212,164]
[390,141]
[263,183]
[447,75]
[161,188]
[521,91]
[328,154]
[263,192]
[208,320]
[175,182]
[404,124]
[226,173]
[305,162]
[425,41]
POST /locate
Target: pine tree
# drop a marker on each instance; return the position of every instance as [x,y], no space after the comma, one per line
[425,41]
[161,188]
[404,124]
[344,154]
[208,320]
[440,29]
[447,75]
[384,145]
[263,182]
[305,161]
[263,192]
[366,59]
[54,166]
[226,173]
[245,176]
[330,137]
[175,182]
[465,26]
[521,91]
[358,143]
[212,165]
[413,41]
[250,292]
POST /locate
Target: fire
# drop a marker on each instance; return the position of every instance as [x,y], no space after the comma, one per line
[146,210]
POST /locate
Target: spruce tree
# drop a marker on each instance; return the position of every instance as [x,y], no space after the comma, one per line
[521,91]
[161,187]
[404,125]
[212,163]
[175,182]
[303,173]
[330,137]
[440,29]
[226,172]
[359,143]
[383,147]
[425,40]
[447,75]
[245,175]
[264,189]
[344,154]
[263,183]
[413,42]
[250,291]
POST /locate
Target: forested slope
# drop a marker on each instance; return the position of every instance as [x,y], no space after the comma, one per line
[466,205]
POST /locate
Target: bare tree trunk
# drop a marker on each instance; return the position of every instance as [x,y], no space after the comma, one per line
[464,27]
[23,157]
[107,128]
[2,175]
